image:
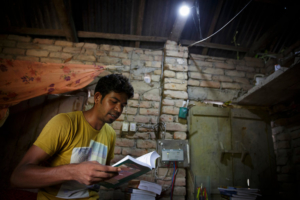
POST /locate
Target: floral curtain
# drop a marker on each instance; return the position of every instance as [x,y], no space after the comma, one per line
[22,80]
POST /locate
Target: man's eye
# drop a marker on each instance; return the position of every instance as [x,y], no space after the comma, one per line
[114,102]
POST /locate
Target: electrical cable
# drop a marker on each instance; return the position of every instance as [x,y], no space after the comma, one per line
[221,27]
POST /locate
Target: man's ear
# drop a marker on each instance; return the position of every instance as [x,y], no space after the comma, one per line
[97,97]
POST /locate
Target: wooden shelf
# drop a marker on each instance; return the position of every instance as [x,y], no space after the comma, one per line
[280,86]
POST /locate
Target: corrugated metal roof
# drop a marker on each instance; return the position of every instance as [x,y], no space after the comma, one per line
[115,16]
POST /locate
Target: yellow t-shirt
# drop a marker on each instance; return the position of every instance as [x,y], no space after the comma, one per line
[69,138]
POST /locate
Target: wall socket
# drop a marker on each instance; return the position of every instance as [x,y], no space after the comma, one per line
[125,126]
[133,126]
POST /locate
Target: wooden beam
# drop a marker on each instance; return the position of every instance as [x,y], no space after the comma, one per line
[111,36]
[33,31]
[66,23]
[215,46]
[179,24]
[140,21]
[213,24]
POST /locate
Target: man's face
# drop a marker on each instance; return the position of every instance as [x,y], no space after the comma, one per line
[111,107]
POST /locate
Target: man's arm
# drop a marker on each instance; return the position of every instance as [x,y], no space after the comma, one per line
[29,174]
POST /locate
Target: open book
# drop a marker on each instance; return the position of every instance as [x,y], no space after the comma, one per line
[131,168]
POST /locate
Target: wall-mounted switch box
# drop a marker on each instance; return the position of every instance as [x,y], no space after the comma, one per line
[172,155]
[125,126]
[132,126]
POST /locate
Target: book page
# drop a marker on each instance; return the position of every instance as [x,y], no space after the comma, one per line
[149,158]
[152,187]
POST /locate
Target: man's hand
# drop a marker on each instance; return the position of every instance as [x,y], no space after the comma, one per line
[91,172]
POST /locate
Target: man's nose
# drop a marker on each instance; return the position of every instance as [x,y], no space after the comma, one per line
[118,108]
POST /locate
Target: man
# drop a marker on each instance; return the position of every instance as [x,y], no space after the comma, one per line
[77,146]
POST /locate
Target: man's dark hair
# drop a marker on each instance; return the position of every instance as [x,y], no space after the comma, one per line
[116,83]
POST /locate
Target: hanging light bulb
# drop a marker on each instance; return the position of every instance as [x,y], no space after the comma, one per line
[184,10]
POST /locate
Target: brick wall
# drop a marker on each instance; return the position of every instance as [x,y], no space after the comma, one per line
[200,78]
[286,137]
[221,79]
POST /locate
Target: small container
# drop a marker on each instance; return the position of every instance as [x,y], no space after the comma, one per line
[182,112]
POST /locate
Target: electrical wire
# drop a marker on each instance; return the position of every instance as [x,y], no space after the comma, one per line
[221,27]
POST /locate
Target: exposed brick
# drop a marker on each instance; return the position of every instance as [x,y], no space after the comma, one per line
[141,119]
[42,41]
[117,125]
[235,73]
[78,62]
[210,84]
[250,75]
[143,104]
[72,49]
[241,80]
[116,48]
[281,161]
[179,135]
[51,48]
[144,136]
[173,80]
[117,158]
[222,78]
[196,75]
[108,60]
[39,53]
[176,54]
[29,58]
[80,44]
[193,82]
[146,144]
[60,55]
[181,173]
[90,46]
[117,150]
[175,86]
[176,94]
[296,143]
[122,142]
[7,43]
[131,111]
[176,127]
[295,134]
[170,110]
[63,43]
[194,68]
[144,111]
[26,45]
[151,97]
[244,68]
[282,145]
[155,78]
[14,51]
[19,38]
[179,68]
[199,63]
[168,73]
[166,118]
[231,85]
[134,152]
[5,56]
[85,57]
[282,137]
[177,191]
[158,58]
[213,71]
[181,75]
[223,65]
[51,60]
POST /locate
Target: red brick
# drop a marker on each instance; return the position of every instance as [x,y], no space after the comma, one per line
[14,51]
[179,135]
[19,38]
[134,152]
[42,41]
[234,73]
[64,43]
[117,150]
[38,53]
[72,49]
[122,142]
[117,158]
[167,118]
[170,110]
[90,46]
[231,86]
[176,127]
[129,110]
[144,111]
[210,84]
[29,58]
[60,55]
[223,65]
[7,43]
[144,136]
[146,144]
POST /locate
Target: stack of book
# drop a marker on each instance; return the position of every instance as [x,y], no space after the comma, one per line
[232,193]
[144,190]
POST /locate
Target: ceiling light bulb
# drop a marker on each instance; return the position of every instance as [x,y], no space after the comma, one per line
[184,10]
